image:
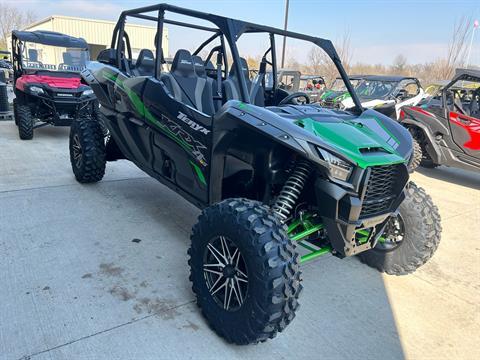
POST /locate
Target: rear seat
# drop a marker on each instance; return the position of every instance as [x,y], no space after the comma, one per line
[201,71]
[186,86]
[145,64]
[231,86]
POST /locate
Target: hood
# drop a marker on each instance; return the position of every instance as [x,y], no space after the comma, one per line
[334,96]
[366,104]
[364,141]
[370,139]
[50,81]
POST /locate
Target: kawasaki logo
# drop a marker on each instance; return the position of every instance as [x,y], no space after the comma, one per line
[191,123]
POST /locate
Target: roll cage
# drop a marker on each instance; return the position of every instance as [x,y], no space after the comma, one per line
[40,37]
[228,31]
[460,75]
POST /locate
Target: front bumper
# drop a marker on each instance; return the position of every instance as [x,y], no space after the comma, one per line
[62,111]
[342,215]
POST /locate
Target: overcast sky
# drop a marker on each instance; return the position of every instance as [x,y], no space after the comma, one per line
[379,30]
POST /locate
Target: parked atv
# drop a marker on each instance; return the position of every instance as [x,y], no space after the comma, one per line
[269,174]
[47,83]
[446,127]
[333,96]
[387,94]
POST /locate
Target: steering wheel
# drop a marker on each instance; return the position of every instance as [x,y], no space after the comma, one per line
[291,99]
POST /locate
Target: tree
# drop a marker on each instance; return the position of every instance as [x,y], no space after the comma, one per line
[399,65]
[12,18]
[320,64]
[457,48]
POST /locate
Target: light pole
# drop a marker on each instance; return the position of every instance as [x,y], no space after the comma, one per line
[285,28]
[475,26]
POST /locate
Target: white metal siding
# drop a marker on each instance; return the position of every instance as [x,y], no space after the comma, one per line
[99,32]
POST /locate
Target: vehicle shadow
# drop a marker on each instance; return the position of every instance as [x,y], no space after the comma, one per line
[121,246]
[460,177]
[48,132]
[345,312]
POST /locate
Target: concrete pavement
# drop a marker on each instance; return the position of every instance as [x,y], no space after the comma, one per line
[99,272]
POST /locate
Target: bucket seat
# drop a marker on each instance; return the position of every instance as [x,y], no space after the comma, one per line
[231,86]
[186,86]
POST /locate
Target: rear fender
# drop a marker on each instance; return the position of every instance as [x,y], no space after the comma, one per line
[432,147]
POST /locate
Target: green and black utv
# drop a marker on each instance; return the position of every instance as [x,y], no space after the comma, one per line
[279,181]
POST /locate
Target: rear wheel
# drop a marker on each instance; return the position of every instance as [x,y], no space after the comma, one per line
[244,270]
[87,150]
[410,238]
[24,119]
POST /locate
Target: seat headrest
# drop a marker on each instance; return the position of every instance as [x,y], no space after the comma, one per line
[198,65]
[182,63]
[67,58]
[243,65]
[145,58]
[210,69]
[33,55]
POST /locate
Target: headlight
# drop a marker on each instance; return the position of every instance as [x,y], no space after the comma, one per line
[339,169]
[87,92]
[36,90]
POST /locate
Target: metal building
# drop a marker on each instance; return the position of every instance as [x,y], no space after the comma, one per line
[98,33]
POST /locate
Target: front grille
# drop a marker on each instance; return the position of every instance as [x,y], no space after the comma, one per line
[381,190]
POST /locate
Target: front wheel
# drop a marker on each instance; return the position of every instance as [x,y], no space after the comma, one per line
[244,270]
[416,156]
[24,119]
[87,150]
[410,238]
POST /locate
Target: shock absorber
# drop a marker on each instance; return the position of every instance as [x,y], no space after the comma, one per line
[287,199]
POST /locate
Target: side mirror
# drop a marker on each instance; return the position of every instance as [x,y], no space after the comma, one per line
[108,56]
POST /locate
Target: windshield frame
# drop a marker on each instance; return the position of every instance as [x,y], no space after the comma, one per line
[386,96]
[51,67]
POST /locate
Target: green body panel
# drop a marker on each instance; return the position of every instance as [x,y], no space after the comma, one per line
[349,137]
[335,96]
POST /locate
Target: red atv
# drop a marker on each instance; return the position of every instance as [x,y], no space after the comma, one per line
[446,126]
[47,84]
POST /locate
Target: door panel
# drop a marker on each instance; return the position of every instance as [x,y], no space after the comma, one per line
[466,132]
[181,140]
[131,124]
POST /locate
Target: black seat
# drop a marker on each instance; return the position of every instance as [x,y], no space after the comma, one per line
[231,86]
[201,70]
[145,64]
[186,86]
[67,58]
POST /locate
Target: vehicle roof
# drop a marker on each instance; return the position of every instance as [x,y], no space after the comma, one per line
[308,77]
[50,38]
[352,77]
[468,73]
[395,78]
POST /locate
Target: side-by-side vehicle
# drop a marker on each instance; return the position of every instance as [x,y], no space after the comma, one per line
[47,84]
[446,126]
[279,181]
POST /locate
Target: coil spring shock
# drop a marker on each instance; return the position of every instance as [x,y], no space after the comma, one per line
[292,189]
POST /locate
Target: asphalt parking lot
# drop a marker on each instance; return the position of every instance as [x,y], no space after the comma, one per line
[100,271]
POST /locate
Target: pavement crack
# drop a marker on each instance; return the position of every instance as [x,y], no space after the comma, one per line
[106,330]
